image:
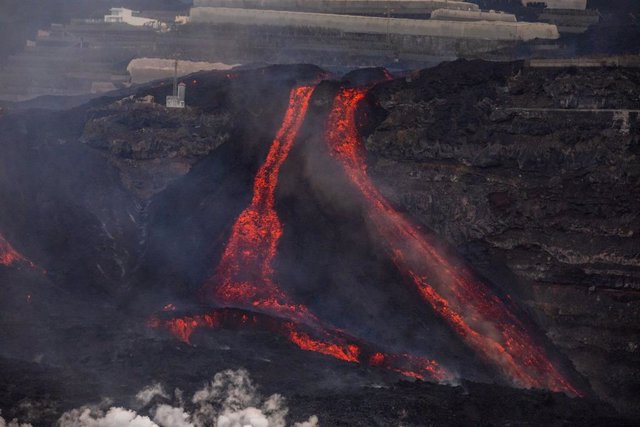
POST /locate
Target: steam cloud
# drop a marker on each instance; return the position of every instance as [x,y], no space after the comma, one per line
[229,400]
[147,394]
[12,423]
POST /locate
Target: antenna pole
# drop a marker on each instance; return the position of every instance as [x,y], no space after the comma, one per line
[175,78]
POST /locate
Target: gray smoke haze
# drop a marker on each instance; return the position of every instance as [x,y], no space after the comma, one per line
[31,72]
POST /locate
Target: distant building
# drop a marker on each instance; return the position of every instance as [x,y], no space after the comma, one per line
[181,19]
[122,15]
[149,99]
[177,99]
[559,4]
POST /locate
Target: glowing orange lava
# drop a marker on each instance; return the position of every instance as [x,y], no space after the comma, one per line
[348,352]
[9,256]
[244,276]
[329,342]
[478,315]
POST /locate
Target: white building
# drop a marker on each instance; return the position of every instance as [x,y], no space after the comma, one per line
[181,19]
[177,100]
[127,16]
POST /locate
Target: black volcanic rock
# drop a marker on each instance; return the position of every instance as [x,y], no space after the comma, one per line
[542,202]
[513,166]
[152,145]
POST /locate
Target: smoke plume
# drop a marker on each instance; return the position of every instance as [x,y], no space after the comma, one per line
[12,423]
[230,399]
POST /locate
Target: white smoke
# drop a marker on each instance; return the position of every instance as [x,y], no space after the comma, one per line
[169,416]
[246,417]
[12,423]
[147,394]
[229,392]
[229,400]
[115,417]
[311,422]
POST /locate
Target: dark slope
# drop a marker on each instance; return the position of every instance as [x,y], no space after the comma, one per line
[114,257]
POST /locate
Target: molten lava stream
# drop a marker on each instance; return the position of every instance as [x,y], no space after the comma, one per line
[473,311]
[244,276]
[329,342]
[9,256]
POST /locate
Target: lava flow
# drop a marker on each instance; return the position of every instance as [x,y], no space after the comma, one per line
[469,306]
[330,342]
[244,276]
[9,256]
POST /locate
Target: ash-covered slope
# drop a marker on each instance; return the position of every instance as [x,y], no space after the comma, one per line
[128,207]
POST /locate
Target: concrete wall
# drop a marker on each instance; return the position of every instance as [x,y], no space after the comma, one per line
[630,61]
[467,15]
[481,30]
[143,70]
[344,7]
[232,43]
[561,4]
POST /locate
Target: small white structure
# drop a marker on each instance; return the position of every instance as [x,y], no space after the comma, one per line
[177,99]
[181,19]
[122,15]
[149,99]
[560,4]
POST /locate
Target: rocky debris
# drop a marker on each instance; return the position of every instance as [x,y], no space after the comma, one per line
[143,130]
[598,329]
[478,164]
[152,145]
[421,404]
[516,166]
